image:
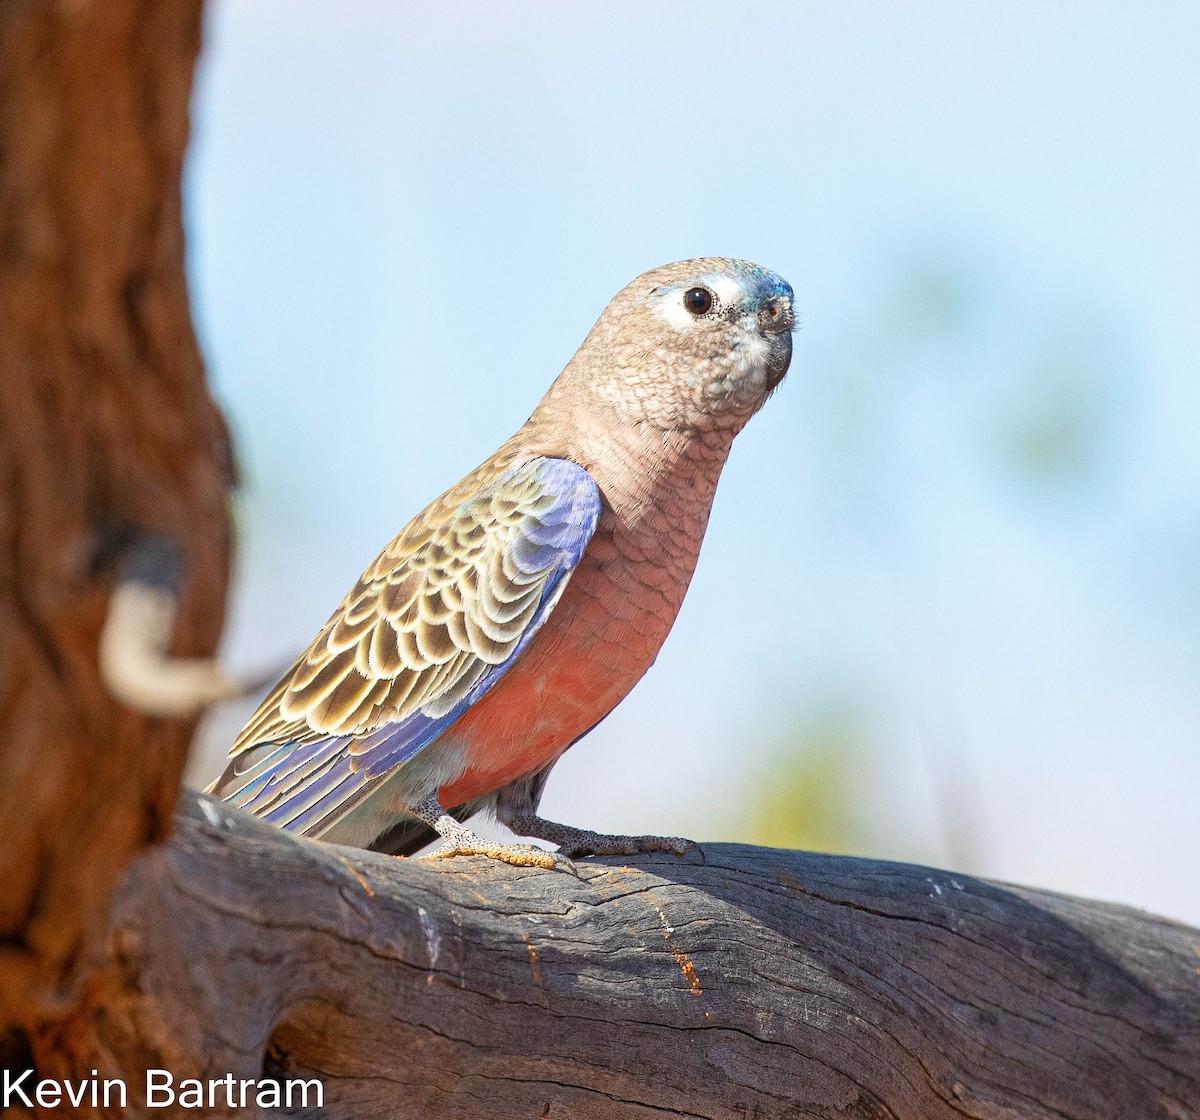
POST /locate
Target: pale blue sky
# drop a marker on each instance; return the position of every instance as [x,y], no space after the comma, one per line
[404,218]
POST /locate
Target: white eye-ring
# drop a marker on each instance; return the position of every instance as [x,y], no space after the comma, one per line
[682,308]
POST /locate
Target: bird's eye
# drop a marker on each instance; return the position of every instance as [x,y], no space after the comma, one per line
[698,301]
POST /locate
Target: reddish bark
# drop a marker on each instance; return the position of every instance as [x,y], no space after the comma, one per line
[107,430]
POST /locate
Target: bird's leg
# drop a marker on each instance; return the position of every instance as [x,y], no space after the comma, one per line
[461,841]
[574,842]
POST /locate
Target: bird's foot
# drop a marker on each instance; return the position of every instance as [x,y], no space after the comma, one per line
[461,841]
[519,855]
[575,842]
[588,843]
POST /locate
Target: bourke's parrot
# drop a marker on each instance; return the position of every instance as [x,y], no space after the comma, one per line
[516,611]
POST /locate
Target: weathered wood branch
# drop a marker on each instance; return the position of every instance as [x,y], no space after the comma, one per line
[757,983]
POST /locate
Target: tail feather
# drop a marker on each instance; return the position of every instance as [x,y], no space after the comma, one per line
[305,788]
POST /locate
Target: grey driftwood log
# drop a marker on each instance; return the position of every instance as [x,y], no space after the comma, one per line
[757,983]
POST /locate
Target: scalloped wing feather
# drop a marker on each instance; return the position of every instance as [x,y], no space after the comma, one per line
[432,624]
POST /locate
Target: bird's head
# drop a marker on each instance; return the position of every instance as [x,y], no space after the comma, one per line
[694,346]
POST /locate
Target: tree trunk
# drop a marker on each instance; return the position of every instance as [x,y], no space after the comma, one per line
[108,436]
[757,983]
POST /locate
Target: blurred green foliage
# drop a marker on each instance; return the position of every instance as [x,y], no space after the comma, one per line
[804,791]
[961,395]
[1056,428]
[1035,384]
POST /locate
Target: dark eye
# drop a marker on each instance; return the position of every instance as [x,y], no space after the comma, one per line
[698,301]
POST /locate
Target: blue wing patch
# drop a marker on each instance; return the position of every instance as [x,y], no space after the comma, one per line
[460,606]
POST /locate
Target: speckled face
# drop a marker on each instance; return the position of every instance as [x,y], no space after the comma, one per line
[740,318]
[700,344]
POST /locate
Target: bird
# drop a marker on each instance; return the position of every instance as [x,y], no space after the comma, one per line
[520,607]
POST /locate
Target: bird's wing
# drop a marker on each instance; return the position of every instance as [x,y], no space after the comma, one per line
[433,623]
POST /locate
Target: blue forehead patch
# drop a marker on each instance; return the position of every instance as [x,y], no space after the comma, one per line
[752,282]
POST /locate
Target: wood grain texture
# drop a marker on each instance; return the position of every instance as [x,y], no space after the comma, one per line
[106,429]
[759,983]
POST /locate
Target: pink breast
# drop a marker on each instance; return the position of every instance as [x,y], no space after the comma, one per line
[600,639]
[608,627]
